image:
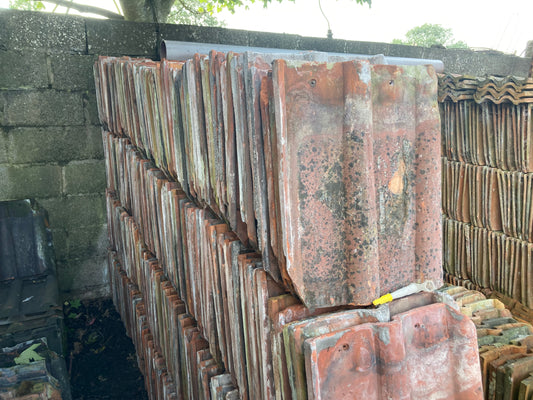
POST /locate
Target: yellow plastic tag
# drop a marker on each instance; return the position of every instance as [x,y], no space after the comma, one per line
[383,299]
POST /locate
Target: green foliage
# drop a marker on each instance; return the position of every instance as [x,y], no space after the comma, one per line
[28,5]
[212,6]
[457,45]
[193,12]
[428,35]
[75,303]
[202,12]
[190,12]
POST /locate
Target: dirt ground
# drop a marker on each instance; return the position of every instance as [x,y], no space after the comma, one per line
[100,357]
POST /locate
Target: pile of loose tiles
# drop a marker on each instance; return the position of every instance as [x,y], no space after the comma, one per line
[487,181]
[505,345]
[209,301]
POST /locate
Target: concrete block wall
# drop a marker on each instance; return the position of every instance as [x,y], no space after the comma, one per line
[50,140]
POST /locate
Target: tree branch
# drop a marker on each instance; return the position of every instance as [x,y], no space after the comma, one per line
[186,7]
[86,9]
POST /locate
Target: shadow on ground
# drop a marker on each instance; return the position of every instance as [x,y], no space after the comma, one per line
[100,357]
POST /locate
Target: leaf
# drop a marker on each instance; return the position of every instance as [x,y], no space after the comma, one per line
[76,303]
[98,350]
[29,355]
[93,338]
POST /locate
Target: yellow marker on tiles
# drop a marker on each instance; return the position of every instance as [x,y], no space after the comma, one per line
[427,286]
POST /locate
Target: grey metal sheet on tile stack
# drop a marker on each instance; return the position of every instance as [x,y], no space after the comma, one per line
[487,170]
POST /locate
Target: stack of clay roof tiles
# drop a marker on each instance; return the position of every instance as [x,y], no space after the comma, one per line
[505,343]
[488,241]
[487,128]
[257,206]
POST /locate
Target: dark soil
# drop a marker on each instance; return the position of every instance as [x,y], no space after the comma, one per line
[100,357]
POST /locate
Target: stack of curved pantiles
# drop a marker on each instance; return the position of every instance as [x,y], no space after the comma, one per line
[250,199]
[505,343]
[487,138]
[509,89]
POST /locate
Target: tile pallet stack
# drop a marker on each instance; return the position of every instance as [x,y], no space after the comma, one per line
[487,164]
[488,245]
[505,344]
[228,263]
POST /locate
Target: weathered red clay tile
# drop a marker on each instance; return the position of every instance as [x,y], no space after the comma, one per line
[491,355]
[265,289]
[221,386]
[295,334]
[290,310]
[515,372]
[526,388]
[242,144]
[352,136]
[206,370]
[233,395]
[424,352]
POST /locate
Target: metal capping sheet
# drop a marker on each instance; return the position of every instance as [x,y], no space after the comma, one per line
[359,178]
[180,50]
